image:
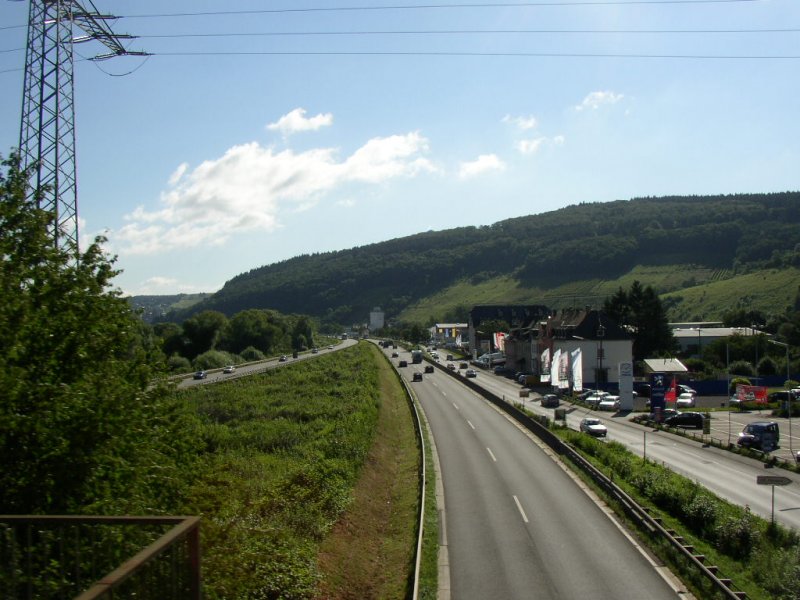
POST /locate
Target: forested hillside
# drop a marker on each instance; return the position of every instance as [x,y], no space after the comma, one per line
[592,241]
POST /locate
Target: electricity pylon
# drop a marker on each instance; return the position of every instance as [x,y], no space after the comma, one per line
[47,132]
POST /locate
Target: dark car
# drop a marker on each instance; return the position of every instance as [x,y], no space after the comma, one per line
[685,419]
[550,401]
[761,435]
[402,363]
[471,373]
[429,368]
[200,375]
[417,376]
[463,365]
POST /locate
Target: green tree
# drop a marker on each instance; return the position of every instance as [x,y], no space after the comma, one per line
[203,331]
[252,327]
[82,427]
[640,310]
[302,334]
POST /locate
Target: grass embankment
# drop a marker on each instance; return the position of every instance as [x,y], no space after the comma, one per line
[287,454]
[762,559]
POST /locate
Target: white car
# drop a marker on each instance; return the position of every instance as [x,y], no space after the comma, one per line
[685,400]
[609,403]
[229,369]
[595,398]
[593,427]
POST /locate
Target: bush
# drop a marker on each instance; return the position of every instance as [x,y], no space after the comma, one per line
[178,364]
[251,354]
[742,367]
[738,536]
[214,359]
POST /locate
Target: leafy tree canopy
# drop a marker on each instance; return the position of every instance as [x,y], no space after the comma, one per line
[81,427]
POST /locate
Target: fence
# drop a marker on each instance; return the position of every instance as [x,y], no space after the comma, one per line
[92,557]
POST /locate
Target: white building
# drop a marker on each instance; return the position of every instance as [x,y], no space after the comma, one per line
[376,319]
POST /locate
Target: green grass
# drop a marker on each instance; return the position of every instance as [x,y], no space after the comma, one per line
[689,291]
[283,452]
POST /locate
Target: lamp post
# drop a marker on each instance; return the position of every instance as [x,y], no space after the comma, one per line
[601,332]
[785,345]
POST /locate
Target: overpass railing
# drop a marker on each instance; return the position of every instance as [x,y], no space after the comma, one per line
[93,557]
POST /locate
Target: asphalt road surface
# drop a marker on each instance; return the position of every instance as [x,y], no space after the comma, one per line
[517,525]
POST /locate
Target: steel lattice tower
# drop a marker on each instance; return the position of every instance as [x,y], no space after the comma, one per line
[47,132]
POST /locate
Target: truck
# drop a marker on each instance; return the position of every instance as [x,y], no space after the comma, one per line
[416,356]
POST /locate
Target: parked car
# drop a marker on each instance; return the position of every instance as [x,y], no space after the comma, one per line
[429,368]
[229,369]
[594,427]
[685,400]
[595,398]
[761,435]
[402,363]
[665,414]
[199,375]
[685,389]
[417,376]
[685,419]
[471,373]
[609,403]
[550,401]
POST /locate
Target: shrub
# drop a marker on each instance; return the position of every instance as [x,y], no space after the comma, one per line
[214,359]
[178,364]
[738,536]
[742,367]
[251,354]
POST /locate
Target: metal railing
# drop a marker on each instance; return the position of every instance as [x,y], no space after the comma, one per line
[92,557]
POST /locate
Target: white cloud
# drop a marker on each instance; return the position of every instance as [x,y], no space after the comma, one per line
[559,140]
[164,285]
[178,173]
[249,187]
[482,164]
[530,146]
[597,99]
[523,123]
[296,121]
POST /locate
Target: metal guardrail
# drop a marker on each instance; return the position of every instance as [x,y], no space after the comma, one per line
[635,511]
[74,556]
[422,479]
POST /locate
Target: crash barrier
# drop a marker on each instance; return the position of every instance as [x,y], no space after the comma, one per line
[422,481]
[634,511]
[93,557]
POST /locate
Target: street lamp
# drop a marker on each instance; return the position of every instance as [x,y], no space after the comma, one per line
[785,345]
[601,332]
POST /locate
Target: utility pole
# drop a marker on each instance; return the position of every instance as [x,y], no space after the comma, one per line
[47,131]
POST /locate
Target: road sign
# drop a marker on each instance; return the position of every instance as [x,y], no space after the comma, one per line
[772,480]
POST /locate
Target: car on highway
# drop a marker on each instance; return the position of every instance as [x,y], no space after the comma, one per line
[685,400]
[429,368]
[283,358]
[314,350]
[229,369]
[550,401]
[417,376]
[761,435]
[451,366]
[463,365]
[471,373]
[435,355]
[594,427]
[330,347]
[395,354]
[402,363]
[685,419]
[199,375]
[449,357]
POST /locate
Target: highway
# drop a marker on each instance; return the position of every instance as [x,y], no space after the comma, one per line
[727,474]
[517,524]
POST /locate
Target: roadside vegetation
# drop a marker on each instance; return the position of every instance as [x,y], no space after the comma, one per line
[282,464]
[88,425]
[762,559]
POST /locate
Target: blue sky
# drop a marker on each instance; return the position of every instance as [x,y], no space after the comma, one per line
[346,126]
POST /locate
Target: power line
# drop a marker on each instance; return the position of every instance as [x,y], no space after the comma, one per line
[437,6]
[489,54]
[471,32]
